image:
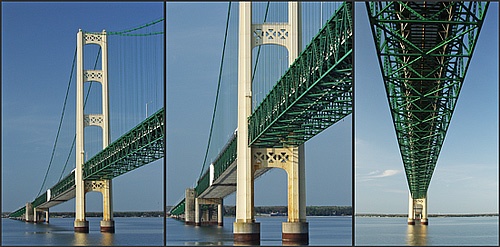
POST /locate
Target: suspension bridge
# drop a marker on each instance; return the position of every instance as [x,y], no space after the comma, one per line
[131,69]
[287,93]
[424,50]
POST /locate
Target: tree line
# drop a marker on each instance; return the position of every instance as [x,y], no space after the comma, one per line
[310,210]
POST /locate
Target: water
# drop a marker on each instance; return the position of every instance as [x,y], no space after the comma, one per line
[322,231]
[464,231]
[129,231]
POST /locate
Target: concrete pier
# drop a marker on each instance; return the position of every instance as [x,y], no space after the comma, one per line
[295,233]
[29,213]
[246,233]
[107,223]
[220,213]
[189,207]
[417,210]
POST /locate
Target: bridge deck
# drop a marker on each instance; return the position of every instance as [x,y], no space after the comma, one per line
[424,49]
[314,93]
[140,146]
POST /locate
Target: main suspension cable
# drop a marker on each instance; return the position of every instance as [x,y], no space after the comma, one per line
[218,89]
[60,124]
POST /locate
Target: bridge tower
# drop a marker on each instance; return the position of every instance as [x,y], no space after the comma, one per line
[84,120]
[417,209]
[245,229]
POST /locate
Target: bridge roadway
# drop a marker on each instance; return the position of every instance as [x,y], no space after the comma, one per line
[140,146]
[424,50]
[313,94]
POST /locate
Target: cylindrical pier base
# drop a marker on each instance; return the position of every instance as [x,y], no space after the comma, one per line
[296,233]
[411,222]
[108,226]
[424,221]
[82,226]
[246,233]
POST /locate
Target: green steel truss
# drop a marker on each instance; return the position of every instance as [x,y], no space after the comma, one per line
[424,50]
[141,145]
[18,213]
[179,208]
[314,93]
[39,200]
[226,157]
[62,186]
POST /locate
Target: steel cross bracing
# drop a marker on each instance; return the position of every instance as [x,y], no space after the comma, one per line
[141,145]
[226,157]
[424,50]
[314,93]
[179,208]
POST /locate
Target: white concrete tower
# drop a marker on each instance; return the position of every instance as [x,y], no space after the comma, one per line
[417,207]
[252,35]
[83,120]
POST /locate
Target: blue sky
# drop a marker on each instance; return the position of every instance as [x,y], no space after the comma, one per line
[38,43]
[195,34]
[466,176]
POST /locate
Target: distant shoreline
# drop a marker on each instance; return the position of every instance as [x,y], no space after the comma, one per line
[430,215]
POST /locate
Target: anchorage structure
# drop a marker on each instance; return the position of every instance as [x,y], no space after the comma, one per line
[424,50]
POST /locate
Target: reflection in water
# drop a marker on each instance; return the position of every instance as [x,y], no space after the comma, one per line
[107,238]
[81,239]
[416,235]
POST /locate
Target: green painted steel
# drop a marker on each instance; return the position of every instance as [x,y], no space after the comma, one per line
[179,208]
[66,184]
[140,146]
[39,200]
[314,93]
[203,183]
[18,213]
[424,50]
[226,157]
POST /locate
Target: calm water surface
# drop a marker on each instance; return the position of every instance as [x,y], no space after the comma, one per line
[129,231]
[482,231]
[322,231]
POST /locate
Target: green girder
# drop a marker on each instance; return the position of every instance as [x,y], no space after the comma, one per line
[18,213]
[424,50]
[141,145]
[64,185]
[203,183]
[226,157]
[39,200]
[179,208]
[314,93]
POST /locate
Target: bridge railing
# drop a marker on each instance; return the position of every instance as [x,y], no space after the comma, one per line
[314,93]
[62,186]
[18,213]
[39,200]
[141,145]
[226,157]
[203,183]
[179,208]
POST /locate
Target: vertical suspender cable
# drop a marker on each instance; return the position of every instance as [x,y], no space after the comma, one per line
[218,89]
